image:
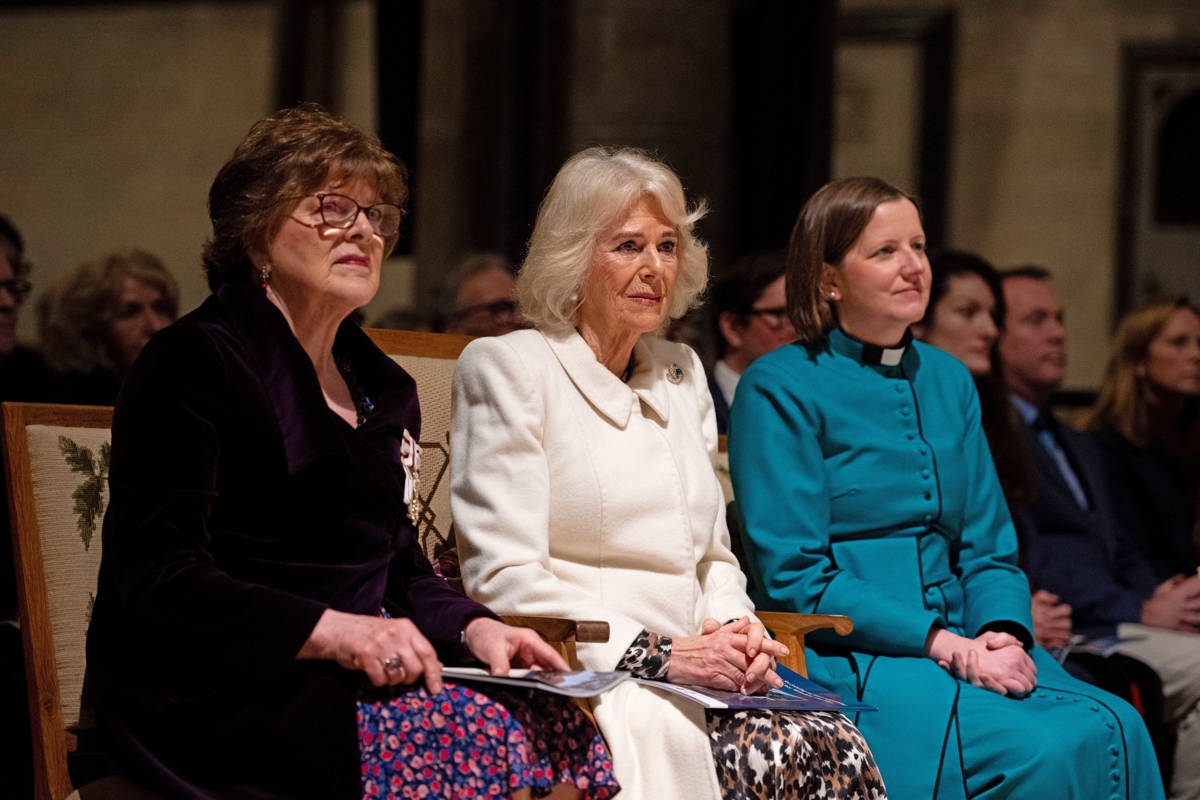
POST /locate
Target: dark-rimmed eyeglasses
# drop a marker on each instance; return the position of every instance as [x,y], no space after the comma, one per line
[339,211]
[19,288]
[775,318]
[496,308]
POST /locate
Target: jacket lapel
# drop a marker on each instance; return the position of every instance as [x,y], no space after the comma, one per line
[611,396]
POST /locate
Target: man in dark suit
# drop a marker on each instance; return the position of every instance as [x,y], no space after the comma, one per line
[1070,539]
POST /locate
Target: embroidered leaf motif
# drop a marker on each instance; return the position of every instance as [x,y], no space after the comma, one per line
[89,494]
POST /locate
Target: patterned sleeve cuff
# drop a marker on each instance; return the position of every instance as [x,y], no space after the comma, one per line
[648,657]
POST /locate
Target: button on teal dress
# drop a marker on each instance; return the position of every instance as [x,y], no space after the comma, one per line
[869,490]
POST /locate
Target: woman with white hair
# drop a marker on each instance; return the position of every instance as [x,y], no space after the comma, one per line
[583,486]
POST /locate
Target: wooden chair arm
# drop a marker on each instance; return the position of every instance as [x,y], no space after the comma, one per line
[790,629]
[561,632]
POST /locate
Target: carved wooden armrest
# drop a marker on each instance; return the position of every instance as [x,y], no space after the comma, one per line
[790,629]
[561,632]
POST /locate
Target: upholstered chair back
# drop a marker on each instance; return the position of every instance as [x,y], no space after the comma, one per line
[56,460]
[430,359]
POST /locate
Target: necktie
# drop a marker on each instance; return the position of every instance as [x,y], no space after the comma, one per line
[1046,427]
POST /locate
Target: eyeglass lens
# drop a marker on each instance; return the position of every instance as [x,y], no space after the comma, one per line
[774,317]
[339,211]
[497,308]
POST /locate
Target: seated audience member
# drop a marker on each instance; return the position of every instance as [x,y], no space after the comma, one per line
[478,298]
[266,624]
[583,486]
[101,317]
[1074,545]
[24,377]
[865,485]
[1147,424]
[749,316]
[964,317]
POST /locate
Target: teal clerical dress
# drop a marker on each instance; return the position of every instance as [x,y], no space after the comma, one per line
[867,489]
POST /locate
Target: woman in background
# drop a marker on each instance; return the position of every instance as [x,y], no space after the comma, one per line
[1146,419]
[99,319]
[865,486]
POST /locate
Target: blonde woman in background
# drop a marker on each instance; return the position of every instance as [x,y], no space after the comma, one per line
[99,319]
[1146,419]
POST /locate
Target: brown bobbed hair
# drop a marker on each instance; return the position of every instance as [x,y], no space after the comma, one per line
[285,157]
[1127,400]
[828,224]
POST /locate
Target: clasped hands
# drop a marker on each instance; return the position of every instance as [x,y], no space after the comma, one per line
[1175,605]
[735,657]
[394,652]
[992,660]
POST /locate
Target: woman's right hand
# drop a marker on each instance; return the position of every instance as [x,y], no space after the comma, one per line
[735,657]
[391,652]
[993,660]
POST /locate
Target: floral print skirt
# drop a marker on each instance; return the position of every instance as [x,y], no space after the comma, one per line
[467,743]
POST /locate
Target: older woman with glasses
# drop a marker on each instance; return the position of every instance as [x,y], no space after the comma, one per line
[583,486]
[266,624]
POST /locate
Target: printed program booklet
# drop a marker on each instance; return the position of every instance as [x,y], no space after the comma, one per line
[797,694]
[572,684]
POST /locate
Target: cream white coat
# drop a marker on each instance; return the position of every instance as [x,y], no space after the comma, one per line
[576,494]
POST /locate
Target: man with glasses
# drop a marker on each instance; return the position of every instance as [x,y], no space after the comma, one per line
[749,313]
[479,298]
[23,376]
[23,373]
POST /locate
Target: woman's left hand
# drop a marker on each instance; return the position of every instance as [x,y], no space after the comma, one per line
[997,662]
[758,652]
[502,646]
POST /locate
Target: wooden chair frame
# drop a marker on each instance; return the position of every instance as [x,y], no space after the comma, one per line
[52,740]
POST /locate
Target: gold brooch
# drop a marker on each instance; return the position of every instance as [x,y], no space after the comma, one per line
[675,373]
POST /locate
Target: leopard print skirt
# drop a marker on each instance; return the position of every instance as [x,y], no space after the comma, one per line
[771,756]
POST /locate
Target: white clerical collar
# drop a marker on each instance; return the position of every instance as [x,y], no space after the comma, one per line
[871,354]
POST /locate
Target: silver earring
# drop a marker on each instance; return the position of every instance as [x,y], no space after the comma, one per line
[264,275]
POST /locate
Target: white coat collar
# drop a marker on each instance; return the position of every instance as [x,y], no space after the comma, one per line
[609,394]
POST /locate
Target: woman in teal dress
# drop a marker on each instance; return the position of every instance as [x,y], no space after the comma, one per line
[866,487]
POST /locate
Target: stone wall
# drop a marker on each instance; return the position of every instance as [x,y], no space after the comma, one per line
[116,117]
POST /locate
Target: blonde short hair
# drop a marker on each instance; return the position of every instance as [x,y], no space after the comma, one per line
[590,193]
[78,329]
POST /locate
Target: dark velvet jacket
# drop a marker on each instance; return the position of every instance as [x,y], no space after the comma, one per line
[241,509]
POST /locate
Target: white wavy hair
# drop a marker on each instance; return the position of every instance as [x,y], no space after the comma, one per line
[592,191]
